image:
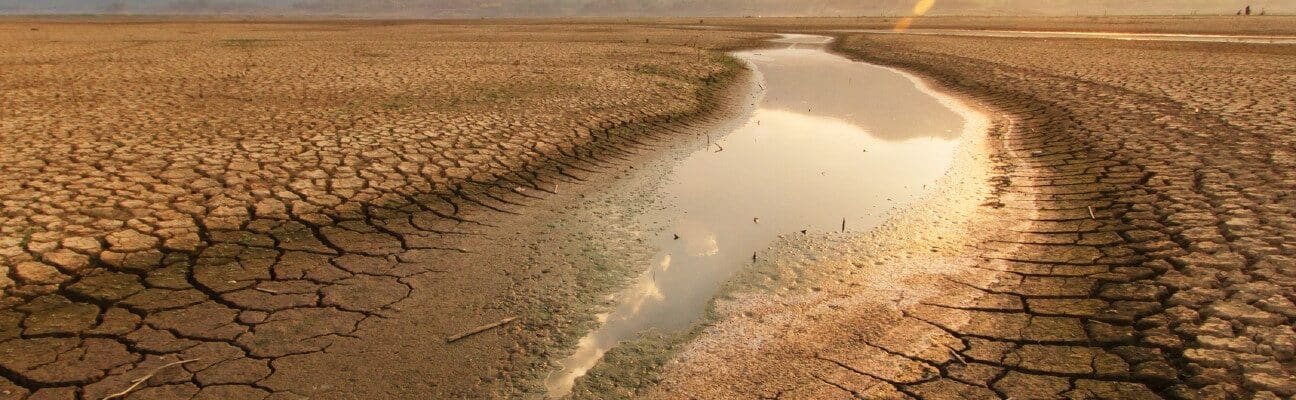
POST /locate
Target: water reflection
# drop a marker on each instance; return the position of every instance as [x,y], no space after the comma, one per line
[831,140]
[809,81]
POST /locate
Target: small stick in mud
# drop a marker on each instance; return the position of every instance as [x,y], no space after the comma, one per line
[753,256]
[139,381]
[843,224]
[266,290]
[1091,214]
[956,355]
[676,236]
[480,329]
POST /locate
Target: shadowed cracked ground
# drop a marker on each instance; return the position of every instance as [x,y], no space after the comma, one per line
[296,183]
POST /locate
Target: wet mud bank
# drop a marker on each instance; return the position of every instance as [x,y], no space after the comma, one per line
[830,149]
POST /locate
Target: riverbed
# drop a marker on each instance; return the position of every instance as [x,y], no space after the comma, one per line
[832,145]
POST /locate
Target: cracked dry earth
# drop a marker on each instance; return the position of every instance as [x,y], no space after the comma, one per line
[1179,285]
[263,199]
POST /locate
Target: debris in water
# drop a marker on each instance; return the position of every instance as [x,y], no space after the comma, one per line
[480,329]
[676,236]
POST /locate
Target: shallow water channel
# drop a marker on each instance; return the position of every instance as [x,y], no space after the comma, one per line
[831,143]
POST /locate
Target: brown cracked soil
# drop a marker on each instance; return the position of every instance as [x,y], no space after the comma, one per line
[278,200]
[307,209]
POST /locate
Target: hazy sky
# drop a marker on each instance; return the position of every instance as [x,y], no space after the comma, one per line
[518,8]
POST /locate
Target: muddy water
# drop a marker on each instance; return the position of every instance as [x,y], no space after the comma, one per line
[831,142]
[1173,37]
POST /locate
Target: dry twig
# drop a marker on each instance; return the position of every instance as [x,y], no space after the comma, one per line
[956,355]
[139,381]
[480,329]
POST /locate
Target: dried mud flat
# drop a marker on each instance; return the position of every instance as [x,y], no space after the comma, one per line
[246,196]
[309,209]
